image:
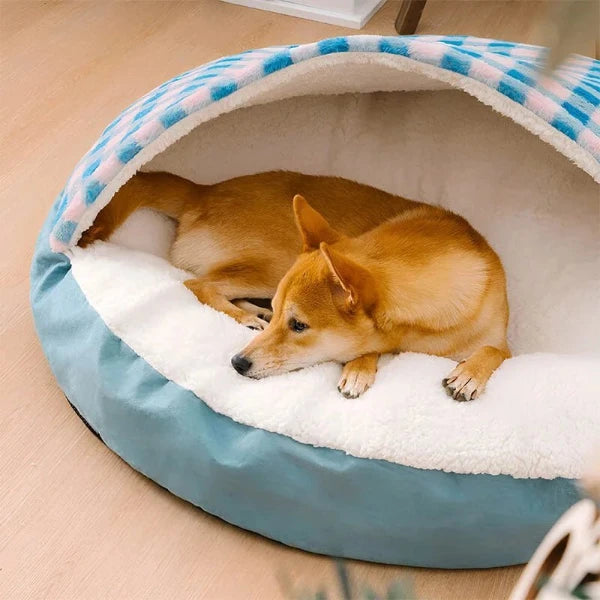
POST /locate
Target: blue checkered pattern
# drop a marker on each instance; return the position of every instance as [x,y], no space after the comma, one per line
[569,100]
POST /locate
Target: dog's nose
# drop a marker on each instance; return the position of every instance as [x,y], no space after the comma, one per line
[241,364]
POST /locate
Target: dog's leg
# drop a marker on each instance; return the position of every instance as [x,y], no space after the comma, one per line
[220,288]
[358,375]
[468,379]
[163,192]
[262,313]
[108,220]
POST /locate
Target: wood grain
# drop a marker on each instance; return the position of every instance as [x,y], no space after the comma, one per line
[75,520]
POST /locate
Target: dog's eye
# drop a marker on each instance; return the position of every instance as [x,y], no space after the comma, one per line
[297,326]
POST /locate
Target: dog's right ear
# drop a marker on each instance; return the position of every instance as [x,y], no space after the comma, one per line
[313,228]
[356,283]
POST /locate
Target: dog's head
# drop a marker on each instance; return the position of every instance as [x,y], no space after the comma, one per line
[322,308]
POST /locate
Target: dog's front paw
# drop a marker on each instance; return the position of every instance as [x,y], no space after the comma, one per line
[468,380]
[355,382]
[463,384]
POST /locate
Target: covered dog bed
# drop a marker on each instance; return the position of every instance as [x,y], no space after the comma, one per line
[403,474]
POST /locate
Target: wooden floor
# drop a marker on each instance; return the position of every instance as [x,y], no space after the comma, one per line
[75,521]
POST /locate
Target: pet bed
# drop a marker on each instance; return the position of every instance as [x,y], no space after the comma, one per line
[403,474]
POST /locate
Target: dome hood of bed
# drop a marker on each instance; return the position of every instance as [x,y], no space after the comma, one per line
[562,110]
[403,474]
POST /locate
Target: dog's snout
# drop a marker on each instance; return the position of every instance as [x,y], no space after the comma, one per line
[241,364]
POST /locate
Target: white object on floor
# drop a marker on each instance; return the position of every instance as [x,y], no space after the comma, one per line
[569,562]
[347,13]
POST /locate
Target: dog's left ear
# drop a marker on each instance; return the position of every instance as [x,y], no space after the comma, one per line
[312,226]
[354,281]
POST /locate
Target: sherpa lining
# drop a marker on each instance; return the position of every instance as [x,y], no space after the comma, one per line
[540,415]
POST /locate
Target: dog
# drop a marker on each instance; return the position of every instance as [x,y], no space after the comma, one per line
[390,274]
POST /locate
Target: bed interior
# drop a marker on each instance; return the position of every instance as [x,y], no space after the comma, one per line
[538,210]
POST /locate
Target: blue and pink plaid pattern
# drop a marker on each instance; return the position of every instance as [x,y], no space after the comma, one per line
[569,100]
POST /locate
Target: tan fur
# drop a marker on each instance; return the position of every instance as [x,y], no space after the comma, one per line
[392,275]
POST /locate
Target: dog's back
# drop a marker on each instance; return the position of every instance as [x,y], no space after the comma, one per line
[250,219]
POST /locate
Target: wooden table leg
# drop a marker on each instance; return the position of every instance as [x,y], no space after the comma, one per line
[409,15]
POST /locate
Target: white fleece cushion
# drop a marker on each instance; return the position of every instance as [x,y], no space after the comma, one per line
[540,414]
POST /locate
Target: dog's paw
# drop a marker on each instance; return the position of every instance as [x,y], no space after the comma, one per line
[253,322]
[463,383]
[354,383]
[90,235]
[266,314]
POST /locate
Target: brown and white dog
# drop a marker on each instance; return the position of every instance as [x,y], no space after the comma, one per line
[354,272]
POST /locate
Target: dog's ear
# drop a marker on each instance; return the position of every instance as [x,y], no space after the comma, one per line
[313,228]
[353,280]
